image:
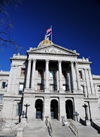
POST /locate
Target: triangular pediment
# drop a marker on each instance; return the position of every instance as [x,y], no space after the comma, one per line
[53,49]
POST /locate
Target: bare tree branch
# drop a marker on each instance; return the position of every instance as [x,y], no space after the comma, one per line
[6,25]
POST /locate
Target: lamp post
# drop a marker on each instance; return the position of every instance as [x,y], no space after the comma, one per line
[26,105]
[85,106]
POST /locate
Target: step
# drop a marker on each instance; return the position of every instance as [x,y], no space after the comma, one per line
[85,131]
[36,128]
[59,130]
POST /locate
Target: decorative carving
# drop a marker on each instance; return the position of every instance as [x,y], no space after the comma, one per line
[54,50]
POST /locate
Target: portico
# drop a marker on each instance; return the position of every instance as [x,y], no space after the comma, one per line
[63,75]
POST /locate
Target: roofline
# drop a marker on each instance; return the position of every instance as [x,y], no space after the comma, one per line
[74,53]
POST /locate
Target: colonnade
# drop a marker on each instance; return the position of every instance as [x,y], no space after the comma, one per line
[74,75]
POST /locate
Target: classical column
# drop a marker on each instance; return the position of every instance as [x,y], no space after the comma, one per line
[68,76]
[33,74]
[85,91]
[77,76]
[60,76]
[87,83]
[10,78]
[73,75]
[28,74]
[47,77]
[91,81]
[96,91]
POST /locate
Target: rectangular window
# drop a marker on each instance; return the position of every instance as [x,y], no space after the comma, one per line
[51,74]
[98,88]
[64,87]
[18,109]
[39,86]
[3,85]
[82,88]
[80,74]
[63,74]
[21,87]
[40,73]
[1,99]
[52,87]
[22,72]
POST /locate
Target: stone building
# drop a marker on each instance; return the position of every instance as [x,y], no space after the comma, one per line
[53,82]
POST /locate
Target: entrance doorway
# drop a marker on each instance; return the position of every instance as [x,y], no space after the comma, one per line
[39,108]
[54,109]
[69,109]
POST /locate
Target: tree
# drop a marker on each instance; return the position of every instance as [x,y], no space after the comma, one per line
[6,24]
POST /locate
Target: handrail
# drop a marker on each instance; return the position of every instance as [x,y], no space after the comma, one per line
[73,128]
[48,124]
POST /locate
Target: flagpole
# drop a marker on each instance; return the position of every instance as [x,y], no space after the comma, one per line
[51,32]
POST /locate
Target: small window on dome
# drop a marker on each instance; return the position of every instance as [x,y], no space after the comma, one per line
[46,41]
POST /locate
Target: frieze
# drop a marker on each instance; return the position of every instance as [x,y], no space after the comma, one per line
[52,49]
[63,55]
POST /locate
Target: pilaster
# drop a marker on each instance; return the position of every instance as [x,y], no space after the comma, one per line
[47,77]
[47,107]
[33,75]
[77,76]
[73,77]
[28,74]
[62,112]
[60,76]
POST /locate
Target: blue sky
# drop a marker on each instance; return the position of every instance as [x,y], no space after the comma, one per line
[75,23]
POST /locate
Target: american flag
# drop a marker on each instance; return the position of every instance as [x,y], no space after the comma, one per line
[49,30]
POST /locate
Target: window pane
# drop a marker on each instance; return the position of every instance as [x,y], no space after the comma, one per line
[80,74]
[51,87]
[39,86]
[63,74]
[39,73]
[64,87]
[22,72]
[21,87]
[18,109]
[82,88]
[1,99]
[98,88]
[51,74]
[3,84]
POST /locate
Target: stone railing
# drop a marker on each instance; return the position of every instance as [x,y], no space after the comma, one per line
[73,128]
[49,127]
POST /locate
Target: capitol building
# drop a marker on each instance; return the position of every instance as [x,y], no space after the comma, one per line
[51,82]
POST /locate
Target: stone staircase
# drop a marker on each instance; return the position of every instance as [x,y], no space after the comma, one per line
[35,128]
[85,131]
[59,130]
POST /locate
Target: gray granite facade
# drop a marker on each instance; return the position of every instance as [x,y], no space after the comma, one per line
[53,81]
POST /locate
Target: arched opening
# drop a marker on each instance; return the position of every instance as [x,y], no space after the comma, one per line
[69,109]
[54,109]
[39,108]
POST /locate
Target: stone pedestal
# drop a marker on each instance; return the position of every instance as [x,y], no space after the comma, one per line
[20,132]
